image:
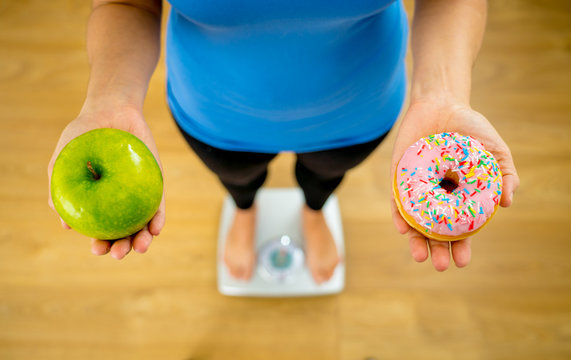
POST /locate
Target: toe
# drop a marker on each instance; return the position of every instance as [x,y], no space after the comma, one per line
[239,272]
[319,277]
[249,272]
[322,274]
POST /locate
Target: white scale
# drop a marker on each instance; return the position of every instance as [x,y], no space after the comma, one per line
[280,270]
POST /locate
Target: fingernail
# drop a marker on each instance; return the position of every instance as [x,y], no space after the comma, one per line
[511,196]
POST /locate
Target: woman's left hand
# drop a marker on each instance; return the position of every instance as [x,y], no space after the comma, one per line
[433,116]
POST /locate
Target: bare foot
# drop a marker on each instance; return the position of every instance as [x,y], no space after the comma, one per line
[239,252]
[321,251]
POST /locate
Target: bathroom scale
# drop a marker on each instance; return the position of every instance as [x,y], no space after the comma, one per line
[280,270]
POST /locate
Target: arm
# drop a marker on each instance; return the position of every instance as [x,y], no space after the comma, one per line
[446,38]
[123,45]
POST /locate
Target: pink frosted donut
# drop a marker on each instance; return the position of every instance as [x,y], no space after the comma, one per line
[447,186]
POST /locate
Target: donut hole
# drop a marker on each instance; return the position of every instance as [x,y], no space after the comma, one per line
[450,181]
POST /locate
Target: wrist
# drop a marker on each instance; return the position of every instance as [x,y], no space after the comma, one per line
[115,87]
[440,88]
[112,110]
[441,85]
[440,100]
[113,97]
[435,107]
[104,98]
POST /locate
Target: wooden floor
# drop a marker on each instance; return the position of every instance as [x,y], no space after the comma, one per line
[57,301]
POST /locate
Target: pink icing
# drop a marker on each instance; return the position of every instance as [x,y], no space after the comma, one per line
[464,209]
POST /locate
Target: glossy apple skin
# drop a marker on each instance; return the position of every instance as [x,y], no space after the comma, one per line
[124,198]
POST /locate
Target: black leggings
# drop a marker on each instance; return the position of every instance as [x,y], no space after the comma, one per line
[318,173]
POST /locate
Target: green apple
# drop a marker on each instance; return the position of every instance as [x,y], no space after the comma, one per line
[106,184]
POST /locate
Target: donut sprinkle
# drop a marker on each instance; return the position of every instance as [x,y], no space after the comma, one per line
[449,184]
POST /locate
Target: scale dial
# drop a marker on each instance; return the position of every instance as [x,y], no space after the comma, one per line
[280,259]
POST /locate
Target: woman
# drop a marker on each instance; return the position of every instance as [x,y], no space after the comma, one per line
[324,79]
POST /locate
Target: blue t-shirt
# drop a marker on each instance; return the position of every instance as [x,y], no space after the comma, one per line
[296,75]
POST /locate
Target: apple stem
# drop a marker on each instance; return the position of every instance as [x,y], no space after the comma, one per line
[95,175]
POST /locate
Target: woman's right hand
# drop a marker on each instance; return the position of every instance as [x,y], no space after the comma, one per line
[131,120]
